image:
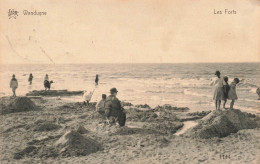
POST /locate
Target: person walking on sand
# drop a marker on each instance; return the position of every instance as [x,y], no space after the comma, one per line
[232,94]
[101,105]
[97,79]
[225,90]
[30,78]
[113,109]
[218,90]
[14,85]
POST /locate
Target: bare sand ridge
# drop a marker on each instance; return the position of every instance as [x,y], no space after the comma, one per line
[47,130]
[223,123]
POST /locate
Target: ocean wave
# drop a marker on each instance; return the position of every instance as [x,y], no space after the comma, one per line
[251,100]
[248,85]
[193,93]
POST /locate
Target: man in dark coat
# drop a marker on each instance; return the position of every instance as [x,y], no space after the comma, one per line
[113,109]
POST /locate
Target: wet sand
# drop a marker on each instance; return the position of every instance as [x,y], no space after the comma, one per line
[137,142]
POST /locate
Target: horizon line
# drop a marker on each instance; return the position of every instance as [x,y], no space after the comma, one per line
[128,63]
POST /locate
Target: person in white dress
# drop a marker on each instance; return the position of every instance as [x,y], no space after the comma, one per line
[232,94]
[87,97]
[218,90]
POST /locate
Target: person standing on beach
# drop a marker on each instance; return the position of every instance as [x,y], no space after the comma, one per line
[218,90]
[87,97]
[225,89]
[258,93]
[113,109]
[232,94]
[30,78]
[97,79]
[14,85]
[46,77]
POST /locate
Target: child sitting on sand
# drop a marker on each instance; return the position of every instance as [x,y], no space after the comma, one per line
[232,95]
[14,85]
[101,105]
[225,89]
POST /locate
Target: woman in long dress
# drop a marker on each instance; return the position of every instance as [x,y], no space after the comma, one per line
[218,90]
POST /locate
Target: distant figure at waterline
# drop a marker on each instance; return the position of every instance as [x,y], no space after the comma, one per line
[97,79]
[14,85]
[47,84]
[30,78]
[46,77]
[258,93]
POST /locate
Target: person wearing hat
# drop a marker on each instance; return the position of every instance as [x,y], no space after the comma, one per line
[14,85]
[113,109]
[218,90]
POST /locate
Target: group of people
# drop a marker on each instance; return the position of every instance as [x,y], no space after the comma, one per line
[111,108]
[223,91]
[46,82]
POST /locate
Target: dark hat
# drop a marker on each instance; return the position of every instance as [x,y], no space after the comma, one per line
[217,73]
[113,90]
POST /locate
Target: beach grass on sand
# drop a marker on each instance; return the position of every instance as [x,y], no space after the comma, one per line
[54,131]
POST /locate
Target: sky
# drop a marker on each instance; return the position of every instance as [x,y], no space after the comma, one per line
[130,31]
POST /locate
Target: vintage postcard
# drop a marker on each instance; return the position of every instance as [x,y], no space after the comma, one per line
[129,81]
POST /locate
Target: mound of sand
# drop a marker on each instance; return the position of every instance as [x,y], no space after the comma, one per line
[77,106]
[143,106]
[165,127]
[192,116]
[169,107]
[28,151]
[73,143]
[140,115]
[18,104]
[202,113]
[222,124]
[46,126]
[82,130]
[124,104]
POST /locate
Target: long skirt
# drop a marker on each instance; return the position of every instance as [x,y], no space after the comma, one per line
[218,94]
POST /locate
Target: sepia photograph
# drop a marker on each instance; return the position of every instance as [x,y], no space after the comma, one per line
[129,81]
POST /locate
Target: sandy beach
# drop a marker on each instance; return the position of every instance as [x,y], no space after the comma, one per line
[55,131]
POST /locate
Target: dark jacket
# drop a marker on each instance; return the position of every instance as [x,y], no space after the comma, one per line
[112,106]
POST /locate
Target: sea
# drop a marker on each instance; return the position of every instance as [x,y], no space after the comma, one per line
[181,85]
